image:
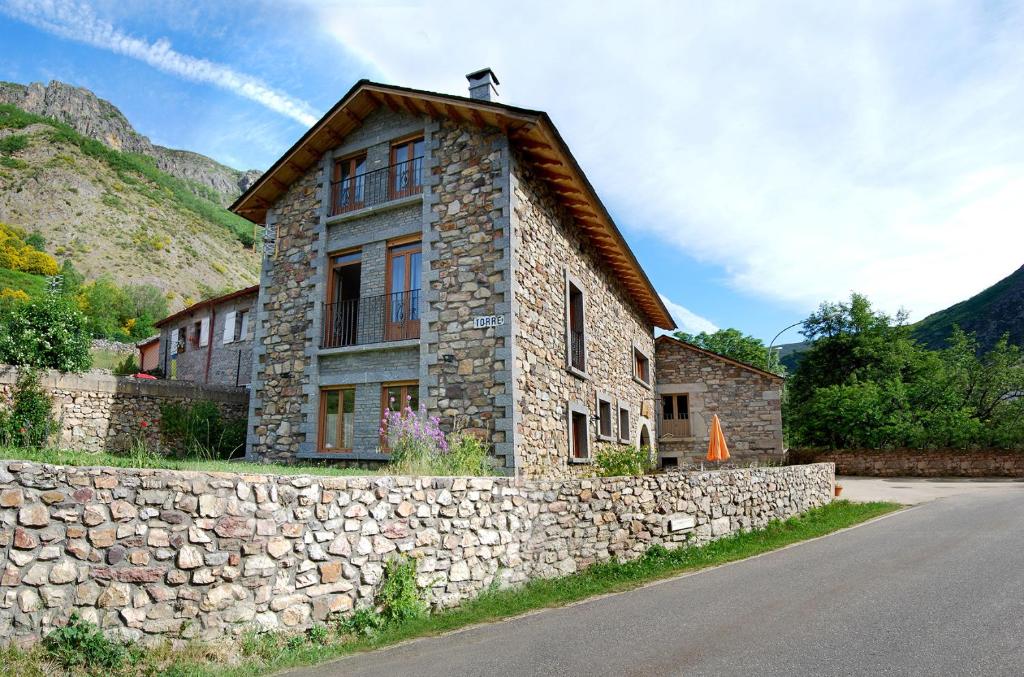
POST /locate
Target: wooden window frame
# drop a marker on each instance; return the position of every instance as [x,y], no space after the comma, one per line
[637,354]
[409,141]
[669,426]
[578,411]
[332,266]
[322,422]
[352,160]
[405,328]
[385,404]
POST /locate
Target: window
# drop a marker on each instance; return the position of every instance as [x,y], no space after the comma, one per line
[182,333]
[579,442]
[669,462]
[604,417]
[624,424]
[406,177]
[337,419]
[196,328]
[675,415]
[349,184]
[342,313]
[403,302]
[242,324]
[397,397]
[575,327]
[641,367]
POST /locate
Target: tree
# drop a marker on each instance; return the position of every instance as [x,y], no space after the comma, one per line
[737,345]
[46,333]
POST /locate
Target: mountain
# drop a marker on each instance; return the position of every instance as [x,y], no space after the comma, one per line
[117,212]
[990,314]
[98,119]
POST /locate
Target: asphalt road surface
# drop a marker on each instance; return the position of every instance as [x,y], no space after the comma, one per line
[937,589]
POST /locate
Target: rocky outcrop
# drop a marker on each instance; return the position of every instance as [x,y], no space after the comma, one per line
[101,120]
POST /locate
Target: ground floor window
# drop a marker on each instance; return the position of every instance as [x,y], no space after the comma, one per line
[604,417]
[397,397]
[624,431]
[337,419]
[579,440]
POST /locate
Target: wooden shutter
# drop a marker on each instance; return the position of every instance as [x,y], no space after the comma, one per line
[229,327]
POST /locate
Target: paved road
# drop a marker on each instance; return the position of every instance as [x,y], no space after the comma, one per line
[937,589]
[914,490]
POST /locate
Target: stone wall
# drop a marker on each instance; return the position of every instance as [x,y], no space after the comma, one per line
[99,412]
[548,246]
[153,553]
[748,403]
[918,463]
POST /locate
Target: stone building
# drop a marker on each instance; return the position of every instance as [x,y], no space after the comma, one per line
[448,251]
[694,384]
[210,341]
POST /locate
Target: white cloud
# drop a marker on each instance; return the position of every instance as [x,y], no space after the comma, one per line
[808,150]
[77,21]
[686,319]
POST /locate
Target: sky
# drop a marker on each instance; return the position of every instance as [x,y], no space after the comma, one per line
[760,158]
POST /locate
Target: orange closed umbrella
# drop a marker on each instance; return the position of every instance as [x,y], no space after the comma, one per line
[718,450]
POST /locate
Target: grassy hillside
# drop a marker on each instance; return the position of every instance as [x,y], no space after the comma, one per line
[990,314]
[115,213]
[33,285]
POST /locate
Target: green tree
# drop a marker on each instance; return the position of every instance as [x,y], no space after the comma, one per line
[737,345]
[47,333]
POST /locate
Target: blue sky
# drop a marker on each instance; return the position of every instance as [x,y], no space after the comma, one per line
[759,157]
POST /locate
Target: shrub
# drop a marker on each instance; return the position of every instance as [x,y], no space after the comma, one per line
[29,422]
[82,644]
[18,251]
[415,440]
[363,622]
[399,596]
[48,333]
[199,431]
[616,461]
[467,455]
[127,366]
[13,143]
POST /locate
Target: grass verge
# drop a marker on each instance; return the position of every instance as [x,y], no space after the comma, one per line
[268,653]
[157,462]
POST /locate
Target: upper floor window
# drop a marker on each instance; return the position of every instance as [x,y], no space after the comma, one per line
[406,175]
[575,327]
[242,326]
[675,415]
[349,184]
[641,366]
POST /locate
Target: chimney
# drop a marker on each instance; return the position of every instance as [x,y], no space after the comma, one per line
[483,85]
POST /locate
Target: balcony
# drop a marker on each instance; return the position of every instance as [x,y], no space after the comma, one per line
[377,187]
[676,427]
[372,319]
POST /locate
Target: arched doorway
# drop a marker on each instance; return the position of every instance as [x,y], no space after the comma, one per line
[645,437]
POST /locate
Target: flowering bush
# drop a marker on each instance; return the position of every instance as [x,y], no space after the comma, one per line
[29,422]
[418,446]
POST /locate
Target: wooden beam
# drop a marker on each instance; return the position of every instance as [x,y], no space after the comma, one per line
[390,103]
[431,111]
[454,113]
[475,114]
[409,106]
[352,116]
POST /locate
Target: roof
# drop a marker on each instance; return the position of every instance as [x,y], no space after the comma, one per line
[531,132]
[149,341]
[207,303]
[720,357]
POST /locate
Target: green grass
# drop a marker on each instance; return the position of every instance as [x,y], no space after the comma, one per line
[33,285]
[187,195]
[91,459]
[268,653]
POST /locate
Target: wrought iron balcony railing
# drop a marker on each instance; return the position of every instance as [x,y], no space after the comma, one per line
[372,319]
[377,187]
[576,350]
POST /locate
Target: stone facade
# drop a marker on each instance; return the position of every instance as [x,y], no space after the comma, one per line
[748,403]
[165,554]
[494,245]
[918,462]
[549,250]
[100,412]
[221,354]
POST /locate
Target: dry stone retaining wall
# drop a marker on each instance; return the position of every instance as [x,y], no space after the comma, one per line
[156,553]
[99,412]
[920,463]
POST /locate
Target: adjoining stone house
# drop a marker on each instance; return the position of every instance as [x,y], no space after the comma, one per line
[210,341]
[694,384]
[445,250]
